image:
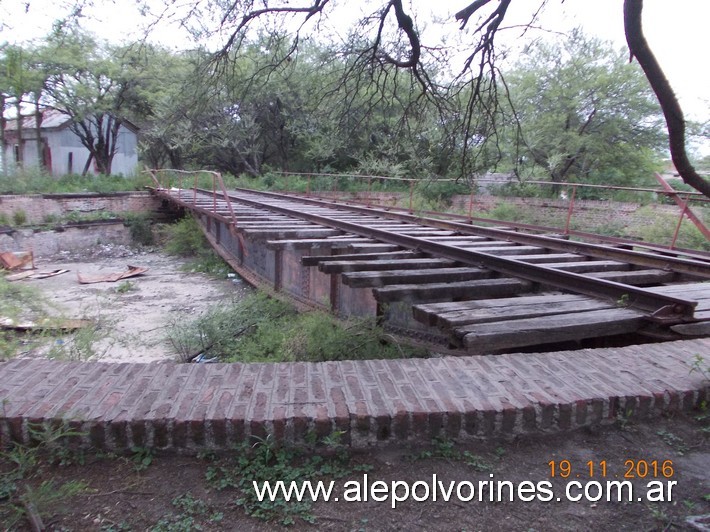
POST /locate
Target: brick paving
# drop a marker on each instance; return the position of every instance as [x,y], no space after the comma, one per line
[190,406]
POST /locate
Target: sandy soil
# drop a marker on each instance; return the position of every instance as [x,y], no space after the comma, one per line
[134,319]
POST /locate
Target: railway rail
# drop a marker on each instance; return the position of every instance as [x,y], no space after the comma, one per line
[464,287]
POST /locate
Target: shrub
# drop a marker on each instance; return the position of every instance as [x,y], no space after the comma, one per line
[262,329]
[141,229]
[19,217]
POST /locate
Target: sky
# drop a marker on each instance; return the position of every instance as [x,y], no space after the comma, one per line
[677,34]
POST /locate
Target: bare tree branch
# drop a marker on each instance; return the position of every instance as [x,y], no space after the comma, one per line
[639,48]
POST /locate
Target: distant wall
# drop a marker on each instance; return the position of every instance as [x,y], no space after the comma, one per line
[37,207]
[71,238]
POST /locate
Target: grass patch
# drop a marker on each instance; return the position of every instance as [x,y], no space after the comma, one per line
[185,239]
[33,181]
[262,329]
[18,302]
[265,462]
[661,230]
[26,494]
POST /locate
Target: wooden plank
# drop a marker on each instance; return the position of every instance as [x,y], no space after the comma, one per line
[551,257]
[437,275]
[464,238]
[314,260]
[467,321]
[267,234]
[591,266]
[483,289]
[373,247]
[551,329]
[690,290]
[297,243]
[428,313]
[698,329]
[487,243]
[636,277]
[509,250]
[378,265]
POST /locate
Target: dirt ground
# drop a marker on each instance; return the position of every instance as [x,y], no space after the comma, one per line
[134,315]
[185,493]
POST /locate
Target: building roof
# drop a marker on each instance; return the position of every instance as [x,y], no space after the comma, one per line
[51,119]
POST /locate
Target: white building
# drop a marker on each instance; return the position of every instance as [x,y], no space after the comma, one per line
[63,152]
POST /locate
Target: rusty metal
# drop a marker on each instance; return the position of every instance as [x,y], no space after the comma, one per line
[132,271]
[570,210]
[635,297]
[640,258]
[684,206]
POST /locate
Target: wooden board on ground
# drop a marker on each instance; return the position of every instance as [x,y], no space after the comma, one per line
[372,279]
[500,335]
[378,265]
[314,260]
[483,289]
[636,277]
[468,321]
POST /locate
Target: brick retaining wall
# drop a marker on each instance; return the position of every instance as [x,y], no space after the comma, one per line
[191,406]
[37,207]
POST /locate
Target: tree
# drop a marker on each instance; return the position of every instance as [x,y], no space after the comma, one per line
[389,38]
[584,112]
[97,86]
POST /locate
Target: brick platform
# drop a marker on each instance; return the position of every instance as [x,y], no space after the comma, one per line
[192,406]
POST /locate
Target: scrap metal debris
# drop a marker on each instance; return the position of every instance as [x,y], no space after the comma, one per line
[14,260]
[32,274]
[132,271]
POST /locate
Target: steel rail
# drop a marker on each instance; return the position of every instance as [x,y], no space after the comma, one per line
[660,307]
[640,258]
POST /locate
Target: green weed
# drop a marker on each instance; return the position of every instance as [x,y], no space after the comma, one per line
[19,217]
[142,458]
[34,181]
[673,441]
[445,449]
[25,492]
[125,287]
[192,512]
[262,329]
[140,228]
[266,462]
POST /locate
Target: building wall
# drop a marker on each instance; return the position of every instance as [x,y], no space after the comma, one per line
[63,144]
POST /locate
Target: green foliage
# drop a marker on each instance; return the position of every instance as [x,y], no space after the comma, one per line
[185,239]
[262,329]
[141,229]
[191,512]
[24,485]
[19,217]
[265,462]
[663,225]
[18,302]
[142,457]
[33,181]
[445,449]
[585,113]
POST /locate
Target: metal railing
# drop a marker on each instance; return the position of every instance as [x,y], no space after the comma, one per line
[175,180]
[682,198]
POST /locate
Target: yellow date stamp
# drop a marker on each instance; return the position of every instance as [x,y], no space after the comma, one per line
[632,468]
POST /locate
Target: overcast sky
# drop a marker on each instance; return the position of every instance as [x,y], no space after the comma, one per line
[676,34]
